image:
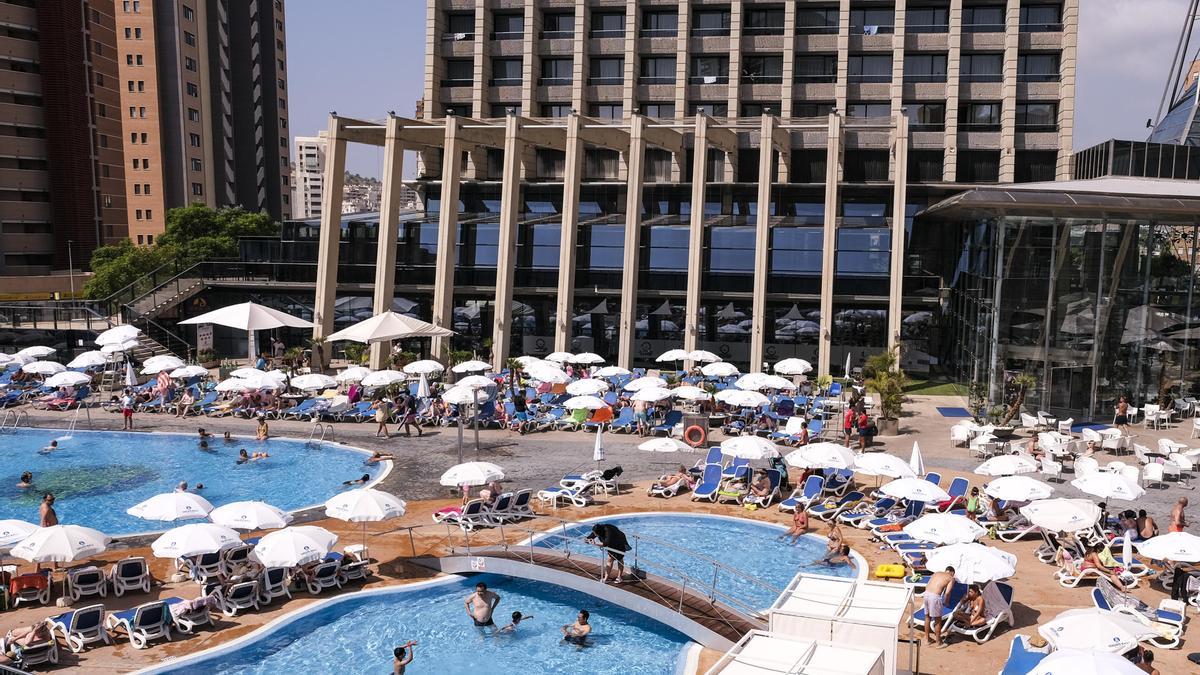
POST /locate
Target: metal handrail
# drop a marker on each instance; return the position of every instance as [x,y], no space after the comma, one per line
[323,428]
[16,417]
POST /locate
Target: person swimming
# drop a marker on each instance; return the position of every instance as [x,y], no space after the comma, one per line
[366,477]
[517,618]
[377,457]
[228,437]
[206,434]
[26,480]
[244,456]
[49,448]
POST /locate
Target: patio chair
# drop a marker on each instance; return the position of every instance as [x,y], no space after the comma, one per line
[239,596]
[129,574]
[190,614]
[709,485]
[324,575]
[31,587]
[34,654]
[803,497]
[80,627]
[141,624]
[274,584]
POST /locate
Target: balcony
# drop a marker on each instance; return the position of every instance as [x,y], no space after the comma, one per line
[656,79]
[553,81]
[872,30]
[508,35]
[658,32]
[708,79]
[1038,77]
[911,78]
[458,37]
[983,28]
[603,80]
[607,33]
[980,77]
[457,82]
[861,79]
[504,82]
[722,31]
[763,30]
[817,78]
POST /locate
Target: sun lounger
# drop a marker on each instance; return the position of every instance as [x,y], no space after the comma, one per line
[1022,659]
[997,610]
[865,512]
[142,624]
[803,497]
[1168,620]
[33,654]
[837,482]
[190,614]
[774,478]
[298,411]
[130,574]
[88,580]
[274,584]
[324,575]
[31,587]
[673,418]
[736,468]
[574,421]
[202,568]
[714,457]
[553,495]
[1068,579]
[958,493]
[520,505]
[80,627]
[625,422]
[829,510]
[709,485]
[911,512]
[957,592]
[240,596]
[357,570]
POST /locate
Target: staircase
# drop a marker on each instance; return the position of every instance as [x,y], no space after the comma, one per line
[166,296]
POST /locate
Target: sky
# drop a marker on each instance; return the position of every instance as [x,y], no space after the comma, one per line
[365,62]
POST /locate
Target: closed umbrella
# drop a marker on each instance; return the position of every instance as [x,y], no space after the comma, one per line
[651,394]
[914,489]
[366,505]
[89,360]
[130,375]
[821,456]
[973,563]
[61,543]
[471,367]
[194,539]
[1018,489]
[944,528]
[719,369]
[43,368]
[749,447]
[588,402]
[1007,465]
[172,506]
[1095,629]
[610,371]
[793,367]
[426,367]
[352,374]
[665,445]
[916,461]
[13,531]
[882,464]
[1065,661]
[1107,485]
[293,546]
[645,383]
[313,382]
[598,454]
[383,378]
[587,387]
[250,515]
[189,371]
[1062,515]
[67,379]
[690,393]
[118,334]
[1174,546]
[742,398]
[471,473]
[423,388]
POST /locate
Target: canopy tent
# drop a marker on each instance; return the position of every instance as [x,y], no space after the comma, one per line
[763,653]
[250,317]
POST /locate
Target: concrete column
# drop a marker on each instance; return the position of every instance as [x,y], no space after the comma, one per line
[1008,105]
[447,240]
[841,89]
[1066,90]
[330,236]
[953,65]
[762,244]
[510,205]
[899,199]
[389,226]
[572,174]
[691,322]
[635,170]
[833,173]
[481,65]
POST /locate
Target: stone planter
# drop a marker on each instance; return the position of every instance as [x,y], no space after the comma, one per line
[1003,432]
[888,427]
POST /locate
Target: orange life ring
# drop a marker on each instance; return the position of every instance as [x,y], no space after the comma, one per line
[695,439]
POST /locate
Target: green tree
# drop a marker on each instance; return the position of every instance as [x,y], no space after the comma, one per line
[117,266]
[884,377]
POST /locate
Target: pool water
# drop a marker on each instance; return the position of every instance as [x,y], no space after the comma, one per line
[357,635]
[95,476]
[765,564]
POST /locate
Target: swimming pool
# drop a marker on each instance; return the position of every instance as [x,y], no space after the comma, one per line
[357,634]
[751,548]
[96,475]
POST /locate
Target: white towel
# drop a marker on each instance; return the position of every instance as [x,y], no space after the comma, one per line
[870,30]
[993,601]
[710,79]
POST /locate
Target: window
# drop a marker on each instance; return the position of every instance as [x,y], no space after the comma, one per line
[141,111]
[508,26]
[189,39]
[710,70]
[1036,165]
[816,68]
[460,26]
[145,188]
[659,110]
[1037,116]
[137,6]
[975,116]
[762,20]
[607,111]
[556,109]
[137,188]
[136,162]
[556,71]
[711,21]
[189,63]
[141,86]
[192,89]
[978,166]
[558,25]
[144,137]
[125,6]
[193,115]
[660,23]
[506,71]
[731,249]
[760,108]
[149,214]
[1041,18]
[133,137]
[137,33]
[924,67]
[926,166]
[601,163]
[812,109]
[608,24]
[927,20]
[188,13]
[197,189]
[197,165]
[99,79]
[132,111]
[712,109]
[872,20]
[145,162]
[817,20]
[982,67]
[988,19]
[128,33]
[459,73]
[864,251]
[658,70]
[129,59]
[194,140]
[1037,67]
[926,116]
[869,109]
[762,68]
[138,215]
[870,68]
[550,163]
[606,70]
[501,109]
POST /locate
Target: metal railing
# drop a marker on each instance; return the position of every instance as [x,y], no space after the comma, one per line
[324,429]
[16,416]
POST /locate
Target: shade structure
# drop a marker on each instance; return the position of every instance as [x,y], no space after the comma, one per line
[383,378]
[36,352]
[610,371]
[464,395]
[43,368]
[882,464]
[1007,465]
[194,539]
[914,489]
[475,382]
[312,382]
[352,374]
[1174,546]
[651,394]
[1065,661]
[471,367]
[292,546]
[672,355]
[587,387]
[821,456]
[741,398]
[172,506]
[13,531]
[250,515]
[1062,515]
[793,367]
[1095,629]
[471,473]
[759,381]
[1018,489]
[61,543]
[1109,486]
[944,528]
[250,317]
[644,383]
[586,359]
[587,402]
[189,371]
[702,356]
[89,360]
[548,373]
[719,369]
[690,393]
[67,379]
[749,447]
[119,347]
[157,364]
[365,505]
[559,357]
[973,563]
[389,326]
[118,334]
[665,445]
[425,367]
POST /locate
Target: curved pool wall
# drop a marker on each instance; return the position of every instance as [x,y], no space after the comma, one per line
[97,475]
[357,632]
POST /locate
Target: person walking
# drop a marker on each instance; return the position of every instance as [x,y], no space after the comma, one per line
[407,406]
[382,410]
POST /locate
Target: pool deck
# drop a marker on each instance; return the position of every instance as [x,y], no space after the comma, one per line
[538,460]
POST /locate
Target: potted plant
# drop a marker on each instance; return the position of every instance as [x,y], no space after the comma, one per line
[208,358]
[977,401]
[226,368]
[884,376]
[823,383]
[356,353]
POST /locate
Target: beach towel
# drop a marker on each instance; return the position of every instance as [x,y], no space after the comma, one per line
[993,601]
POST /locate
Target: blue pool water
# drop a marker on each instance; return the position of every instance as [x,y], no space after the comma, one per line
[357,635]
[95,476]
[751,548]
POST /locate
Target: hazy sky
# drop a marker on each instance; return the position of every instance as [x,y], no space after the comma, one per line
[366,57]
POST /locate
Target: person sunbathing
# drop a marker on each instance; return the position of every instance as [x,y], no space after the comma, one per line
[672,480]
[760,489]
[21,638]
[972,614]
[1094,560]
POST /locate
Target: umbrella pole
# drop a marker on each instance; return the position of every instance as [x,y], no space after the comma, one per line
[475,424]
[460,438]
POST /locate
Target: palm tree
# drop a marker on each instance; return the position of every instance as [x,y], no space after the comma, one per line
[1024,382]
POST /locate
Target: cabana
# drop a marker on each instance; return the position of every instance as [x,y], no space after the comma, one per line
[763,653]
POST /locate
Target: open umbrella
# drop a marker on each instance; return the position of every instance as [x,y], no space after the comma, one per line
[366,505]
[526,360]
[36,352]
[172,506]
[1063,661]
[548,373]
[383,378]
[475,382]
[13,531]
[89,360]
[665,445]
[672,355]
[690,393]
[250,317]
[759,381]
[559,357]
[1109,486]
[118,334]
[882,464]
[234,384]
[742,398]
[312,382]
[189,371]
[702,356]
[749,447]
[426,367]
[651,394]
[160,363]
[914,489]
[1007,465]
[293,546]
[352,374]
[588,402]
[587,387]
[644,383]
[793,367]
[194,539]
[821,456]
[43,368]
[1175,546]
[719,369]
[973,563]
[471,367]
[586,359]
[119,347]
[1095,629]
[1062,515]
[1018,489]
[250,515]
[464,395]
[610,371]
[243,373]
[67,379]
[61,543]
[471,473]
[944,528]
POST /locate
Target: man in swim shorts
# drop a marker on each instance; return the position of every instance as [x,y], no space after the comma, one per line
[937,591]
[481,604]
[577,632]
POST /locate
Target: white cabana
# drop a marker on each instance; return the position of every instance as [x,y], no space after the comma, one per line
[36,352]
[119,347]
[548,373]
[882,464]
[1018,489]
[1174,546]
[365,505]
[672,355]
[1095,629]
[760,381]
[973,563]
[61,543]
[559,357]
[171,506]
[690,393]
[1106,485]
[250,317]
[1007,465]
[43,368]
[702,356]
[464,396]
[189,371]
[586,359]
[914,489]
[156,364]
[763,653]
[944,528]
[665,445]
[475,382]
[13,531]
[1085,661]
[611,371]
